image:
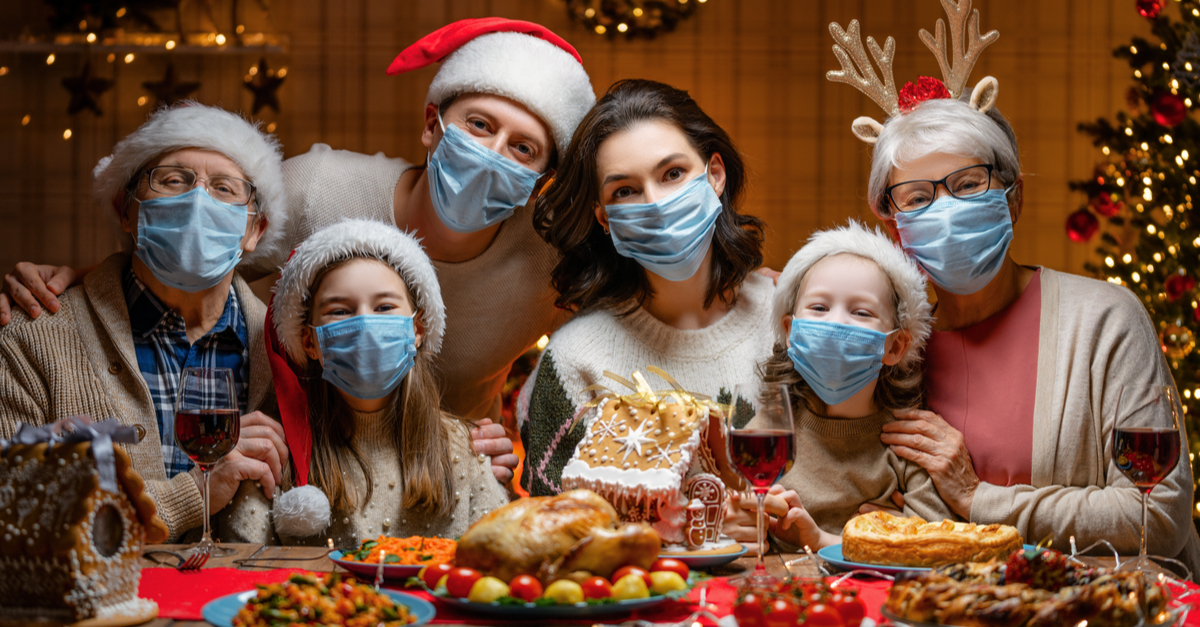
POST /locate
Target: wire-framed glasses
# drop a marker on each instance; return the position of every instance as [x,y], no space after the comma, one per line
[173,180]
[967,182]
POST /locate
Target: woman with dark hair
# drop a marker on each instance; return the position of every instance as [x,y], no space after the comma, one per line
[655,258]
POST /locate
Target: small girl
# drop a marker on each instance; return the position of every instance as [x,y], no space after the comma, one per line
[853,317]
[359,311]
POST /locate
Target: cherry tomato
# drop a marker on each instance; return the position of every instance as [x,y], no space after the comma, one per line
[780,613]
[672,565]
[748,612]
[525,587]
[460,580]
[432,574]
[822,615]
[633,570]
[850,607]
[597,588]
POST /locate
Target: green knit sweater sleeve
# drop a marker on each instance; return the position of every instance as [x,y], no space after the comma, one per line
[548,436]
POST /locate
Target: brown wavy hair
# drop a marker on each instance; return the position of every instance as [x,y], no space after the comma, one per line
[414,419]
[590,273]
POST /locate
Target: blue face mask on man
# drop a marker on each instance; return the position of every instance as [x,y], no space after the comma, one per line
[473,187]
[190,241]
[367,356]
[960,242]
[836,360]
[669,237]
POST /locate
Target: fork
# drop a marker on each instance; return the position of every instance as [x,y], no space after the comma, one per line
[195,560]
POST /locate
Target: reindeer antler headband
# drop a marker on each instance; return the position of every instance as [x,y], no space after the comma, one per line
[956,59]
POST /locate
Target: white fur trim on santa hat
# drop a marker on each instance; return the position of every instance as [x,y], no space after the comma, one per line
[301,512]
[356,238]
[527,69]
[914,309]
[190,124]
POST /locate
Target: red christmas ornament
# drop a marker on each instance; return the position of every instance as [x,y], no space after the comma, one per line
[1177,285]
[1149,9]
[926,88]
[1103,204]
[1168,109]
[1082,226]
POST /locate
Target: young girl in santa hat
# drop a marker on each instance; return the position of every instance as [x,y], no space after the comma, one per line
[359,312]
[850,320]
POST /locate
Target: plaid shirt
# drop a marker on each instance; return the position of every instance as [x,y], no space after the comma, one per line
[160,341]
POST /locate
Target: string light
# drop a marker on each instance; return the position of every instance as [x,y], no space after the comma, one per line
[3,70]
[170,44]
[50,59]
[141,101]
[129,58]
[220,40]
[111,57]
[67,134]
[271,127]
[25,120]
[121,12]
[91,38]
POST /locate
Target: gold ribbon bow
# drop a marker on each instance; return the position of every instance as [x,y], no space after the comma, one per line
[644,396]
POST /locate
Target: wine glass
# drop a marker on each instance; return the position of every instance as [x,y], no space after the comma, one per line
[207,425]
[762,446]
[1146,445]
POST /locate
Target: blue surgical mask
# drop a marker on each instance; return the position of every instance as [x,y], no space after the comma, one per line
[960,242]
[367,356]
[837,360]
[473,187]
[669,237]
[190,241]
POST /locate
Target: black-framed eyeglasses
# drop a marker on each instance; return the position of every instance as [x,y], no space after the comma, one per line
[171,180]
[967,182]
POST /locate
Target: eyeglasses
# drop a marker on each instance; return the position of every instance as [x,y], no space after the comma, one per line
[173,181]
[968,182]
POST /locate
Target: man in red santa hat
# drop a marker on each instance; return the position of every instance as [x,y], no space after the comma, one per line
[500,110]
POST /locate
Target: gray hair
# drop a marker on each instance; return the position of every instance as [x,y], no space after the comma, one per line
[948,126]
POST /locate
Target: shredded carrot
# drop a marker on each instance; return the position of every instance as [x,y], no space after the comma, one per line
[411,551]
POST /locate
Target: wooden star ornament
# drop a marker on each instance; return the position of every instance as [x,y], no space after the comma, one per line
[84,89]
[263,85]
[169,90]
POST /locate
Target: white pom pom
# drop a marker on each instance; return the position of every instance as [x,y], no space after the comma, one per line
[301,512]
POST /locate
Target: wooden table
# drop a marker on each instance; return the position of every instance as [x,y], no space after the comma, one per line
[314,559]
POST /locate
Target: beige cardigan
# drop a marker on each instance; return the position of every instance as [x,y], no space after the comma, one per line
[81,360]
[1094,337]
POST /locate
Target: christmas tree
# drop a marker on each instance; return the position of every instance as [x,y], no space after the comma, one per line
[1143,192]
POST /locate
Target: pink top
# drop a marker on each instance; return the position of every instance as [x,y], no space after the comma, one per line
[983,380]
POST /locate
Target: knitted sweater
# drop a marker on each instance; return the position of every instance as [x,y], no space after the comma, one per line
[842,464]
[708,361]
[248,519]
[497,305]
[1094,337]
[81,360]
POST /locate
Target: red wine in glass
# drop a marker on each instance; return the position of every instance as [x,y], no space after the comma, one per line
[762,455]
[1146,455]
[207,435]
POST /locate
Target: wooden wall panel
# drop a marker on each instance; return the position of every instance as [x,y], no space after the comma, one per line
[757,67]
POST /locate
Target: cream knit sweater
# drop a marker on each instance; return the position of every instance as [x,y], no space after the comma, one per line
[708,361]
[1094,337]
[247,519]
[497,305]
[81,360]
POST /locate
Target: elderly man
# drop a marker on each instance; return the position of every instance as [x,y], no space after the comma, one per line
[193,191]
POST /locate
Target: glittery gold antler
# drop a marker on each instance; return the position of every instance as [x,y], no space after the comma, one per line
[966,43]
[856,66]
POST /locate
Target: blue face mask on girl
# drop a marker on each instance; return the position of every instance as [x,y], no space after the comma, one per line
[671,236]
[367,356]
[473,187]
[190,241]
[960,242]
[836,360]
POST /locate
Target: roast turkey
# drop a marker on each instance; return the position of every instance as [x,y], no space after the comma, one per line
[552,537]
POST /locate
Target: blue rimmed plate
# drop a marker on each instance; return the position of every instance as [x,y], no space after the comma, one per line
[695,562]
[220,611]
[833,555]
[366,572]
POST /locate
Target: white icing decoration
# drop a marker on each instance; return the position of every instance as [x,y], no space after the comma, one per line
[633,441]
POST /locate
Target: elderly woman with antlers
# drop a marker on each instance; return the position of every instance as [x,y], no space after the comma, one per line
[1025,364]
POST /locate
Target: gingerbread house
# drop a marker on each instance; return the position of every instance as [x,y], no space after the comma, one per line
[74,515]
[658,457]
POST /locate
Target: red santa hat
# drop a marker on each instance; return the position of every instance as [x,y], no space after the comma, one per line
[523,61]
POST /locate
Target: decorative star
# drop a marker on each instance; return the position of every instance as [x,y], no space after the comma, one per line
[263,84]
[663,455]
[84,89]
[633,441]
[168,91]
[605,428]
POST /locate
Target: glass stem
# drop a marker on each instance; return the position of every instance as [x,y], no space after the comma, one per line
[762,497]
[207,536]
[1145,496]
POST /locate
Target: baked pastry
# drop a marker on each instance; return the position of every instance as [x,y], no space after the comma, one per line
[880,538]
[1035,588]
